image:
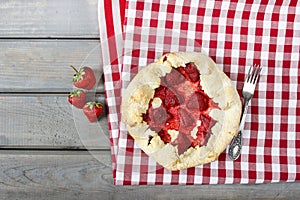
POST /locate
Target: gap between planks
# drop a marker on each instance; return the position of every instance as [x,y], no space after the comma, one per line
[33,94]
[50,151]
[50,38]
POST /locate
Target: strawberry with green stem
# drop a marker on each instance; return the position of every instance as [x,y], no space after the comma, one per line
[77,98]
[84,78]
[92,110]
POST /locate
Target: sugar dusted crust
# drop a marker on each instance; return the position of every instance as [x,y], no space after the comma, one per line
[215,84]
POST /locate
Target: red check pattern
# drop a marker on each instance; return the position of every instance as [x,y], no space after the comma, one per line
[111,17]
[235,34]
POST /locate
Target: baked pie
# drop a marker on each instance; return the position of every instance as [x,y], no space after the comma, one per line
[182,110]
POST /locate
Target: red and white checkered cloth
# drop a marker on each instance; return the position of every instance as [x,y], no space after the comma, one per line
[235,34]
[111,17]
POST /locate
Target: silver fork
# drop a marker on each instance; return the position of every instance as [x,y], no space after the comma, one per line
[248,91]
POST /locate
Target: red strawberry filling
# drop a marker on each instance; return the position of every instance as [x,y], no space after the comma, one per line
[198,101]
[184,106]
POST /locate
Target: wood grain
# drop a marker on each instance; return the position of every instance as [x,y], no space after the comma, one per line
[49,19]
[49,121]
[44,65]
[75,175]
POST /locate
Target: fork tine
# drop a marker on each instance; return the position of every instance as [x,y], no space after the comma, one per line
[257,73]
[249,74]
[253,73]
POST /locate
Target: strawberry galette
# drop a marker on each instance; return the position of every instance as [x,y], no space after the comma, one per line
[182,110]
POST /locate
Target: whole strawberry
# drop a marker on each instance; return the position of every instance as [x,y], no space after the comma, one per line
[77,98]
[84,78]
[92,110]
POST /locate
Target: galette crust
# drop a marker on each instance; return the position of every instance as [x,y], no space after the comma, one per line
[215,84]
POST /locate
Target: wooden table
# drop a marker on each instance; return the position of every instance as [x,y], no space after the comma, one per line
[48,149]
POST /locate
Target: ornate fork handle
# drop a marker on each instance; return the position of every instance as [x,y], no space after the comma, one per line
[235,147]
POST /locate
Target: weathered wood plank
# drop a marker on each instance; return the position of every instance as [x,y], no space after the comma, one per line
[31,175]
[47,121]
[49,18]
[43,65]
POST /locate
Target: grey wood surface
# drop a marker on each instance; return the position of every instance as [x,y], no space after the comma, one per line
[48,19]
[44,65]
[48,150]
[49,121]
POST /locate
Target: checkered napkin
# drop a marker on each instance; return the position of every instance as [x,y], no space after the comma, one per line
[235,35]
[111,18]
